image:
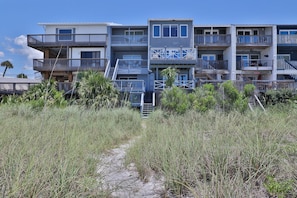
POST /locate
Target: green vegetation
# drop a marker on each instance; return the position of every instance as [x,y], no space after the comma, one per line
[55,153]
[204,143]
[216,154]
[170,75]
[280,96]
[227,98]
[95,91]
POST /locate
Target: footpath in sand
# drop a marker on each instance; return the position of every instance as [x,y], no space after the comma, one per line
[124,181]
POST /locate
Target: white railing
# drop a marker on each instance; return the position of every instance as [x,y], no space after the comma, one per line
[115,72]
[107,69]
[130,85]
[287,39]
[186,84]
[173,54]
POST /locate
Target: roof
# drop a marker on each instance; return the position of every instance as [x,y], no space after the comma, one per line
[18,80]
[80,23]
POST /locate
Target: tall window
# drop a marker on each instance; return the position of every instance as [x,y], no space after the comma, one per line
[65,34]
[157,31]
[166,30]
[169,30]
[183,31]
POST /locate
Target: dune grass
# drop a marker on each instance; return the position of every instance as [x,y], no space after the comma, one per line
[221,155]
[54,152]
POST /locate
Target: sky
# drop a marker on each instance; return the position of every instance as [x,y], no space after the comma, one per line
[18,18]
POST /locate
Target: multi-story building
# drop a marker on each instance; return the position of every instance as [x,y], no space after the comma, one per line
[133,56]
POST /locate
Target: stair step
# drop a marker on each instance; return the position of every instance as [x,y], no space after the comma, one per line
[147,109]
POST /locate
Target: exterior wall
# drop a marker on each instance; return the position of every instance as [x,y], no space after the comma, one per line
[169,41]
[231,54]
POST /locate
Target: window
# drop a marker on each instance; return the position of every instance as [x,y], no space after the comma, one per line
[183,31]
[169,30]
[90,58]
[65,34]
[173,31]
[288,32]
[157,31]
[166,31]
[134,35]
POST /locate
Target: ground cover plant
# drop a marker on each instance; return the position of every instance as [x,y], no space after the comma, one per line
[215,154]
[54,152]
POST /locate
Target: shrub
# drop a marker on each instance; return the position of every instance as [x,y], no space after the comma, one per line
[45,93]
[175,100]
[96,91]
[203,98]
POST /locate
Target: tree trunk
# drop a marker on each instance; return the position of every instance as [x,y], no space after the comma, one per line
[4,71]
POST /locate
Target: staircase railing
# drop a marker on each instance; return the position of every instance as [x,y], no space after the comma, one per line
[107,70]
[115,72]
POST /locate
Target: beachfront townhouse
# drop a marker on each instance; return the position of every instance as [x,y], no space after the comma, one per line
[133,56]
[69,49]
[286,52]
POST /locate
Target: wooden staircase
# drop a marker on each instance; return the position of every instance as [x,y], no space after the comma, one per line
[147,109]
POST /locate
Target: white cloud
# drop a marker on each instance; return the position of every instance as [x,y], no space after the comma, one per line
[25,50]
[1,54]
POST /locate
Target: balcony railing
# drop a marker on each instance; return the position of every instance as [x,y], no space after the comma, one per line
[287,39]
[97,64]
[15,87]
[254,40]
[173,55]
[212,40]
[129,85]
[255,64]
[129,40]
[212,64]
[132,66]
[48,40]
[185,84]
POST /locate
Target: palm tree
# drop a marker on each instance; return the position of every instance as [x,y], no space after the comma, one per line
[96,91]
[170,74]
[7,64]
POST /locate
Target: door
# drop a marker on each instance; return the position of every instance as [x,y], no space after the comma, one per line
[242,60]
[244,36]
[208,61]
[183,79]
[211,36]
[134,36]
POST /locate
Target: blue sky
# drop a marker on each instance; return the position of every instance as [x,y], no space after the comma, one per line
[19,18]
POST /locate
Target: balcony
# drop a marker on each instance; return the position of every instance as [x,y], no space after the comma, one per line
[212,64]
[287,39]
[185,84]
[265,40]
[57,40]
[132,66]
[135,86]
[169,56]
[83,64]
[255,65]
[212,40]
[132,40]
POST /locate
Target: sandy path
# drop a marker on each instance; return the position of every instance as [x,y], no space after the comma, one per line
[124,181]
